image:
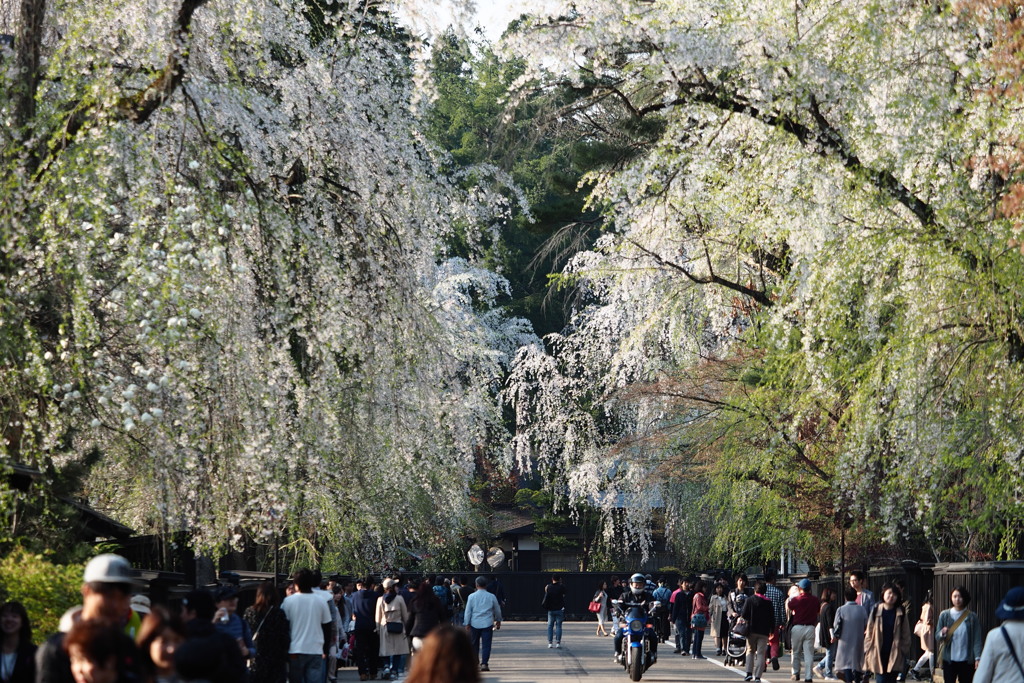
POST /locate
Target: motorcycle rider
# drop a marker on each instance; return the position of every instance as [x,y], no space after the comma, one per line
[636,595]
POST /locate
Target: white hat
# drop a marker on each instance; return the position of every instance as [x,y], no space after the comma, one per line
[140,604]
[109,568]
[68,619]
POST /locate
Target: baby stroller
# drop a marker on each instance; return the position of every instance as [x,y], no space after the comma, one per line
[735,647]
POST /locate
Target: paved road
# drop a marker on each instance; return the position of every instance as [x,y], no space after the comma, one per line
[521,655]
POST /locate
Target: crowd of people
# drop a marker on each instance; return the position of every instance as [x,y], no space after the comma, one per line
[117,636]
[863,638]
[445,627]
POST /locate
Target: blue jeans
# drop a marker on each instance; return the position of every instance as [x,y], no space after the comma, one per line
[555,619]
[396,662]
[829,662]
[481,639]
[683,634]
[305,668]
[698,640]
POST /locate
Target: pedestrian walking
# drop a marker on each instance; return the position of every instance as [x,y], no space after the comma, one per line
[848,630]
[804,608]
[364,629]
[309,620]
[826,618]
[720,618]
[958,634]
[482,618]
[778,600]
[271,635]
[887,637]
[699,618]
[759,616]
[601,600]
[925,630]
[554,603]
[663,594]
[737,599]
[391,615]
[1002,659]
[682,609]
[425,614]
[458,601]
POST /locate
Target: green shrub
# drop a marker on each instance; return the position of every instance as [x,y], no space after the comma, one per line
[46,589]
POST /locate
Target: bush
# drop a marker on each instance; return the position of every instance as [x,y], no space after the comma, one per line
[47,590]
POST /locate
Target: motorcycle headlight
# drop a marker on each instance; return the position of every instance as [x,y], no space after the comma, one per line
[636,626]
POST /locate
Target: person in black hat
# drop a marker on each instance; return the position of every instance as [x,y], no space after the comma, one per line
[227,621]
[1002,658]
[206,654]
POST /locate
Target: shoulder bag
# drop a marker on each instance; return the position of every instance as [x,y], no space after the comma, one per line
[595,603]
[939,676]
[256,633]
[1013,653]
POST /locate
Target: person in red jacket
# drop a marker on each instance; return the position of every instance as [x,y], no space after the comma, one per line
[804,607]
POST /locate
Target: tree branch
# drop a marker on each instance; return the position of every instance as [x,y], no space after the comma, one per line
[712,278]
[826,141]
[140,107]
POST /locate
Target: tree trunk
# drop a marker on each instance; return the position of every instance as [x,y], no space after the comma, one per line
[28,46]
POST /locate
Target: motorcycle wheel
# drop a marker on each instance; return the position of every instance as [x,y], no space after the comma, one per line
[636,667]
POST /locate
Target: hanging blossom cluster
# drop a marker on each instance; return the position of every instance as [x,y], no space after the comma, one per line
[811,211]
[242,302]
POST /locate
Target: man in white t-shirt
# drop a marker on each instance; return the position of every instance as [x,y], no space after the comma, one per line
[319,589]
[310,620]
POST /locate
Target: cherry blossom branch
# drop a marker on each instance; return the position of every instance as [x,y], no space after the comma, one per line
[138,108]
[711,278]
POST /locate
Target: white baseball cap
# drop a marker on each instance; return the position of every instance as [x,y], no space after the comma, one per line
[110,568]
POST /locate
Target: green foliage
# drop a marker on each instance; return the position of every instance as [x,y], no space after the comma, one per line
[46,589]
[476,122]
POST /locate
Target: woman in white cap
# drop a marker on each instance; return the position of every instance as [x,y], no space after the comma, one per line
[1002,658]
[392,614]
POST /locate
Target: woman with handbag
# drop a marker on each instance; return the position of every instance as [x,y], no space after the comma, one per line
[599,606]
[271,635]
[391,615]
[958,634]
[699,617]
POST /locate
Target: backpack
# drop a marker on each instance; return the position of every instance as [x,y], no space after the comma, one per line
[445,596]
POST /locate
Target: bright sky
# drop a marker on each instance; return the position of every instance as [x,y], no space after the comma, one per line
[491,15]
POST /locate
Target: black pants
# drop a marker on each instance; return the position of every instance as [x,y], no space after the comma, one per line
[367,647]
[958,672]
